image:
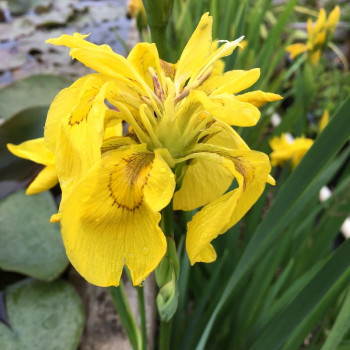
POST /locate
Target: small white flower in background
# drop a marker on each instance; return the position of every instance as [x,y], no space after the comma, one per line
[345,228]
[325,193]
[275,119]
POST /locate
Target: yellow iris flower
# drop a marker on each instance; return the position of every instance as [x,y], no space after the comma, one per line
[287,148]
[180,145]
[36,151]
[318,35]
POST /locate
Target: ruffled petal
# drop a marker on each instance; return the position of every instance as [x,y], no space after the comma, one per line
[108,221]
[34,150]
[251,170]
[45,180]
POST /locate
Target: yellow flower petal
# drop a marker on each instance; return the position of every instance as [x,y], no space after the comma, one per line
[107,221]
[320,39]
[223,51]
[229,109]
[160,185]
[69,101]
[55,218]
[113,129]
[143,56]
[100,58]
[34,150]
[73,41]
[203,182]
[80,138]
[231,82]
[333,19]
[285,148]
[200,44]
[116,142]
[321,20]
[251,170]
[309,26]
[296,49]
[259,98]
[45,180]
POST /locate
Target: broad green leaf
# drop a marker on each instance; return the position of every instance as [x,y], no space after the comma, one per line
[42,316]
[285,299]
[285,205]
[35,91]
[29,243]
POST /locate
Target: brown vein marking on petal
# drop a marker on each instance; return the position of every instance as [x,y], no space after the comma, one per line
[238,162]
[76,120]
[127,180]
[114,143]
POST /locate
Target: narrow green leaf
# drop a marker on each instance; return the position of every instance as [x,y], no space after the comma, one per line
[341,326]
[126,316]
[322,290]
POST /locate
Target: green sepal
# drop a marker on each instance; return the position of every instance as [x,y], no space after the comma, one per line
[167,274]
[167,299]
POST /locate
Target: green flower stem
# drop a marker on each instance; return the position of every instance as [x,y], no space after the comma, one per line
[168,229]
[142,310]
[126,316]
[168,220]
[164,335]
[158,13]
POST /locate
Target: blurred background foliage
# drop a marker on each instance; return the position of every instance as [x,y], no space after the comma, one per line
[281,280]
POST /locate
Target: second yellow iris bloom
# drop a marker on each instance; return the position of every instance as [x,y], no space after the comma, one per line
[319,34]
